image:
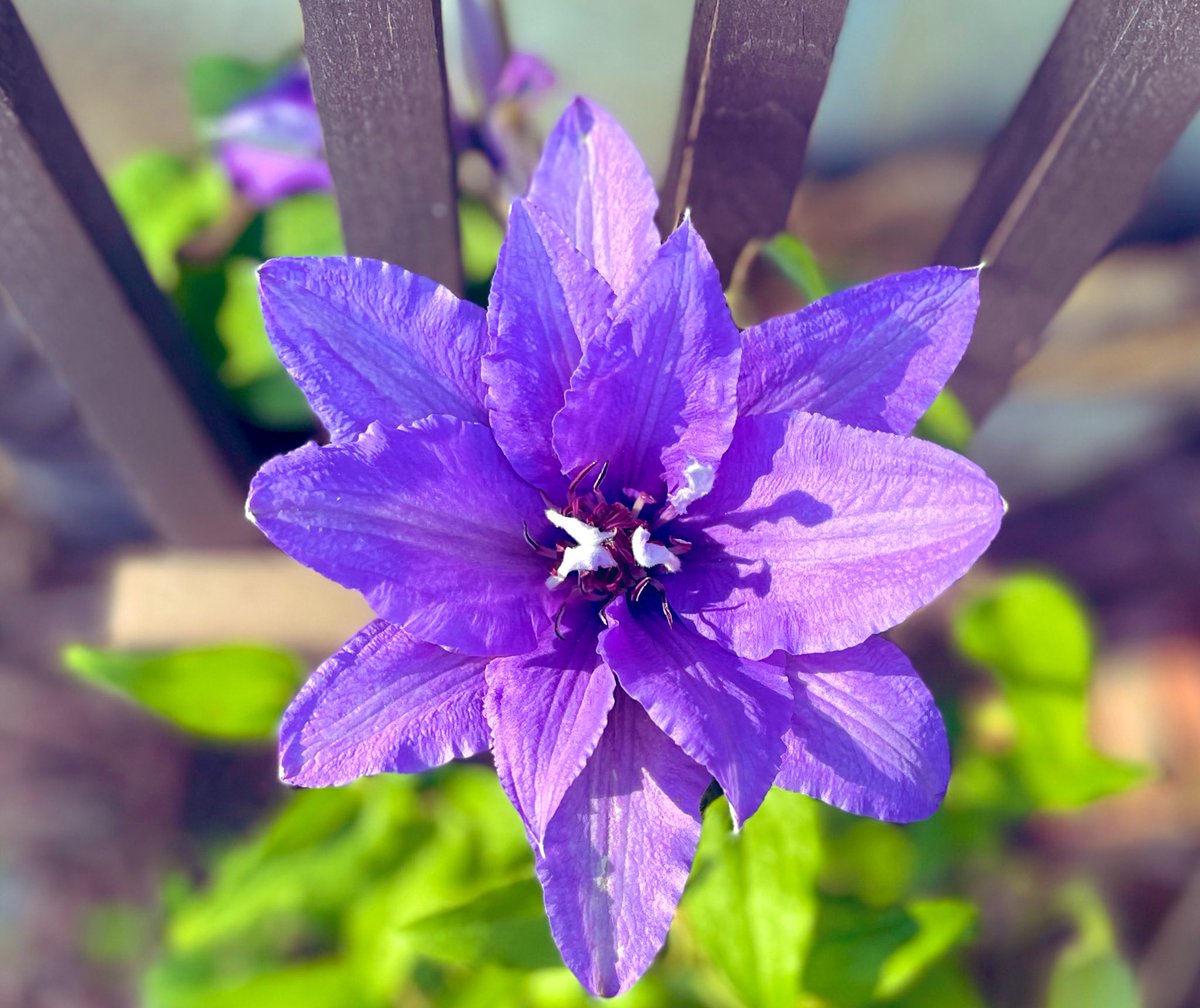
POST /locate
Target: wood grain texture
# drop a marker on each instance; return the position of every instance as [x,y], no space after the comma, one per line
[380,83]
[1114,92]
[80,289]
[755,73]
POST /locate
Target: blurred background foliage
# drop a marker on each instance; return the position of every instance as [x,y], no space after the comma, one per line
[419,890]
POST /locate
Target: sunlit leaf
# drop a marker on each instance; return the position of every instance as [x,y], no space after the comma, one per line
[871,860]
[232,693]
[751,904]
[1031,632]
[165,202]
[853,944]
[795,261]
[481,237]
[942,924]
[1090,970]
[946,422]
[320,984]
[506,926]
[303,225]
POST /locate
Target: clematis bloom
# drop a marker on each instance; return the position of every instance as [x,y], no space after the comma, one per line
[270,142]
[618,543]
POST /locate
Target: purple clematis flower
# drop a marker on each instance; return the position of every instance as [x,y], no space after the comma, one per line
[617,542]
[270,142]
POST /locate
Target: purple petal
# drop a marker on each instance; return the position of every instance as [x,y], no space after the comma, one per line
[426,522]
[726,713]
[369,341]
[265,176]
[385,703]
[546,304]
[619,851]
[658,390]
[866,735]
[270,143]
[818,535]
[874,356]
[593,184]
[546,710]
[523,76]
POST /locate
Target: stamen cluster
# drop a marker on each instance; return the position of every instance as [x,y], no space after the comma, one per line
[618,535]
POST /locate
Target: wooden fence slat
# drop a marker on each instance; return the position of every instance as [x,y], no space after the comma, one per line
[1118,86]
[754,76]
[81,290]
[380,83]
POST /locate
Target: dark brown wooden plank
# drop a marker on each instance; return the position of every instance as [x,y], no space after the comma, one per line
[82,292]
[754,76]
[380,83]
[1114,92]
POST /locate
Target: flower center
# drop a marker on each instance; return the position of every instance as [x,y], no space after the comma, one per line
[607,544]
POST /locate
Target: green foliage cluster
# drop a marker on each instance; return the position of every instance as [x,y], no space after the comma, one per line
[420,890]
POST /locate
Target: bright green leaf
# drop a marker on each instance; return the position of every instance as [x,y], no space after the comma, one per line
[481,236]
[853,944]
[1033,634]
[165,202]
[320,984]
[506,926]
[232,693]
[795,261]
[871,860]
[1090,970]
[248,353]
[303,225]
[1028,628]
[942,924]
[275,402]
[946,422]
[751,904]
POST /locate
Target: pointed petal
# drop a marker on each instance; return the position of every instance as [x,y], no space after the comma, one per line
[818,535]
[873,356]
[425,521]
[619,851]
[547,302]
[866,735]
[593,184]
[546,710]
[368,341]
[727,714]
[656,394]
[385,703]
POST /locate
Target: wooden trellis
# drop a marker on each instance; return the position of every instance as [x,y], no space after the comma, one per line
[1113,93]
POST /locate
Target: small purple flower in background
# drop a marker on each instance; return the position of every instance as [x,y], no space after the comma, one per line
[617,542]
[493,99]
[270,142]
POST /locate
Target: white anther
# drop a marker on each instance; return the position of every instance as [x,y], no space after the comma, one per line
[700,477]
[589,554]
[651,554]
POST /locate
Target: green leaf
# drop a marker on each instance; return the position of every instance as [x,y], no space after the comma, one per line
[481,236]
[942,924]
[853,944]
[873,861]
[506,926]
[233,693]
[1028,628]
[751,904]
[214,83]
[1090,971]
[248,353]
[1033,634]
[274,401]
[165,202]
[946,985]
[320,984]
[303,225]
[796,262]
[946,422]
